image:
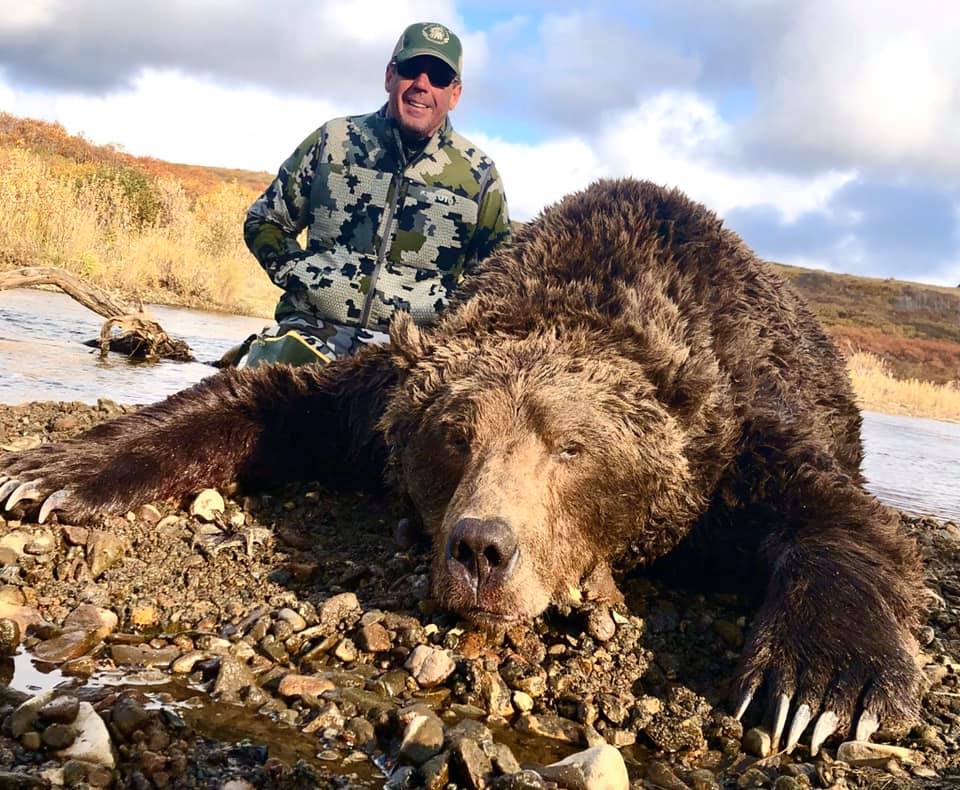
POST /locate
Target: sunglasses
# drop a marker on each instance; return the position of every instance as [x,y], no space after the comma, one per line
[438,72]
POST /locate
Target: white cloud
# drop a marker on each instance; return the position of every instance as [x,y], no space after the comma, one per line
[18,17]
[675,139]
[537,175]
[178,118]
[864,85]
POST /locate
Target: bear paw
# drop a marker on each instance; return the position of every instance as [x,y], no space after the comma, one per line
[39,478]
[832,678]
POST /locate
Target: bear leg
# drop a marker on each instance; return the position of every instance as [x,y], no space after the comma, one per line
[261,425]
[834,639]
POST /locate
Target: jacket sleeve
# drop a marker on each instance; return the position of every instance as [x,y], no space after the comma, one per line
[493,219]
[282,211]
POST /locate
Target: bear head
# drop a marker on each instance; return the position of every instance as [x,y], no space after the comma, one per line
[535,462]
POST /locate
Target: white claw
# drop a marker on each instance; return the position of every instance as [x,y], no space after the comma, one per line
[800,721]
[866,727]
[744,704]
[825,727]
[55,501]
[6,488]
[29,490]
[780,719]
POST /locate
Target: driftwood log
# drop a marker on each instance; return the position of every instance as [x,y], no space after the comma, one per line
[127,330]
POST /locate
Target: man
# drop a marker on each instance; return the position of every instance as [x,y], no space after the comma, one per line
[398,208]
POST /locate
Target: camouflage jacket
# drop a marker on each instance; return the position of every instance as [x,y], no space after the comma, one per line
[383,233]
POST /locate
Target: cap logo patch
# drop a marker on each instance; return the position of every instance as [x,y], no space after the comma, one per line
[436,33]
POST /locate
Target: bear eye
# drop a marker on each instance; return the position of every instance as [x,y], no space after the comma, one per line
[459,442]
[570,451]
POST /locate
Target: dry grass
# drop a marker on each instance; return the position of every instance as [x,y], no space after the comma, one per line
[129,230]
[876,389]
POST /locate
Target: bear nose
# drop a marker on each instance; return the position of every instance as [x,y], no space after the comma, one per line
[484,551]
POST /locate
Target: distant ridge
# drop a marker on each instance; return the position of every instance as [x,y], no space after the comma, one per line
[914,327]
[51,139]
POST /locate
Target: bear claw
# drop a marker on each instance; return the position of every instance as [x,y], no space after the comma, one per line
[24,491]
[780,719]
[55,501]
[6,486]
[825,727]
[800,721]
[745,701]
[866,726]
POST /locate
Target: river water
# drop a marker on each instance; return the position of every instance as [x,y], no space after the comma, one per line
[910,463]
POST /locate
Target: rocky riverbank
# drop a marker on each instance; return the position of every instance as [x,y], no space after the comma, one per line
[287,639]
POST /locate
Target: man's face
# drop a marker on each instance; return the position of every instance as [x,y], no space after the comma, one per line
[421,91]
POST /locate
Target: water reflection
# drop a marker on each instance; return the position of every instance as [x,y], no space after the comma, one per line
[42,356]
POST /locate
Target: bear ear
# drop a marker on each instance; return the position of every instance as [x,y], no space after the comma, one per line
[407,340]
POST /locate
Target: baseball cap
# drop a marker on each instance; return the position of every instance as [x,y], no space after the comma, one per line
[430,38]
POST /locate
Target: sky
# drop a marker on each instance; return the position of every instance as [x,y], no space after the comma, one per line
[825,132]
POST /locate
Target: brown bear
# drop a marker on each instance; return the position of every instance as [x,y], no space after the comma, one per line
[625,381]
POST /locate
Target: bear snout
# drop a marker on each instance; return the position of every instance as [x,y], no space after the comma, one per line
[482,555]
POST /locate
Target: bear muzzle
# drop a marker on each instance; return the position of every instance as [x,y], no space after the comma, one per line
[482,556]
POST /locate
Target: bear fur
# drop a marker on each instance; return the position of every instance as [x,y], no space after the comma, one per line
[626,382]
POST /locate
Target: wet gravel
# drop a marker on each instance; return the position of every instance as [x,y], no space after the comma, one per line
[285,639]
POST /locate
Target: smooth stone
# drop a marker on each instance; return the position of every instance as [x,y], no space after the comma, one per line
[207,504]
[66,647]
[757,741]
[660,775]
[429,666]
[59,736]
[144,655]
[128,715]
[10,634]
[62,710]
[184,665]
[554,727]
[88,617]
[31,740]
[234,677]
[24,616]
[42,542]
[469,765]
[522,701]
[868,753]
[16,541]
[104,549]
[504,760]
[346,651]
[422,738]
[149,514]
[374,638]
[598,768]
[92,744]
[600,624]
[294,685]
[296,621]
[337,609]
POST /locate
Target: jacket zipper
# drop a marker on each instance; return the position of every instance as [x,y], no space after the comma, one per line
[384,245]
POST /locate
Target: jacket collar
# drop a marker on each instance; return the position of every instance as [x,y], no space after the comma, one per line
[439,138]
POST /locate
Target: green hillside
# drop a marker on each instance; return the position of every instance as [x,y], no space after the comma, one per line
[914,327]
